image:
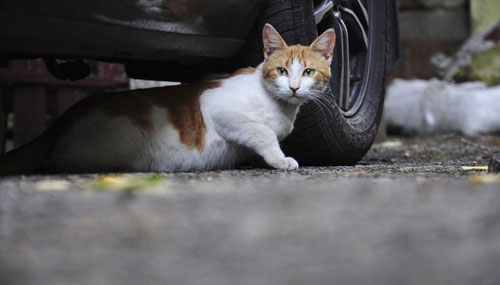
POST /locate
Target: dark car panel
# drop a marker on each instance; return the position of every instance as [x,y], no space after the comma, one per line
[161,30]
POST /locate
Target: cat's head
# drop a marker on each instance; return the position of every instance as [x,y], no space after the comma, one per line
[296,74]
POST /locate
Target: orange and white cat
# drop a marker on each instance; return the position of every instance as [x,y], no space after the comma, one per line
[201,126]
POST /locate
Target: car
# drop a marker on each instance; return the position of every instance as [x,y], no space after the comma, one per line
[184,40]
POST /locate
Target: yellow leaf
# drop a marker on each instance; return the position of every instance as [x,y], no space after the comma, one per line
[407,155]
[125,182]
[429,167]
[485,178]
[112,181]
[52,185]
[389,144]
[476,168]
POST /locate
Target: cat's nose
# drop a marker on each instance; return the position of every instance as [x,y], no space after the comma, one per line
[294,90]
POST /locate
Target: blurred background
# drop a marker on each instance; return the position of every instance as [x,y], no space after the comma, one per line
[449,76]
[430,27]
[454,40]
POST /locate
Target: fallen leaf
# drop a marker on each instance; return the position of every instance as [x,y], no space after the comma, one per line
[52,185]
[474,168]
[112,181]
[389,144]
[475,159]
[124,182]
[485,178]
[407,155]
[426,167]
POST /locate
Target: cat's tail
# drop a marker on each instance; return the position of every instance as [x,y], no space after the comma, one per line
[28,158]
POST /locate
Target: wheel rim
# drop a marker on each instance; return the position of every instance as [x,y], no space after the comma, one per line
[351,62]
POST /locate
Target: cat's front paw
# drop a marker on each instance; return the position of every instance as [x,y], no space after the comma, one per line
[287,163]
[292,163]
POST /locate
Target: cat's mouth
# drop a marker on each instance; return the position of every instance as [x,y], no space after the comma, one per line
[295,98]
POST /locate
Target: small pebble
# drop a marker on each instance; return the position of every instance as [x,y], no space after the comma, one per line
[494,165]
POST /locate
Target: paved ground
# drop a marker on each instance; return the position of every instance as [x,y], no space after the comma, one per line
[409,213]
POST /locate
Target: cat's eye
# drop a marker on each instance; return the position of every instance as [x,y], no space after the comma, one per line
[282,71]
[308,72]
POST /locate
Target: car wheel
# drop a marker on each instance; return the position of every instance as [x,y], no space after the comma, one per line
[339,129]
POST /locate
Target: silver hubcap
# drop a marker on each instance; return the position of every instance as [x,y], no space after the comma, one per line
[351,62]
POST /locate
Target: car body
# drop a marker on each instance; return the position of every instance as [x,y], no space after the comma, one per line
[175,36]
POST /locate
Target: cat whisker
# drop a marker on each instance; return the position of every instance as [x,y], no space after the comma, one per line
[321,102]
[322,105]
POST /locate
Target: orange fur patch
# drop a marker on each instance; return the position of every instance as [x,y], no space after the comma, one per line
[182,103]
[306,55]
[246,70]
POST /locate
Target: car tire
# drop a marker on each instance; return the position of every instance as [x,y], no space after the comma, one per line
[325,134]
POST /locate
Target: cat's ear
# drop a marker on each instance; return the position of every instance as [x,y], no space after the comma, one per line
[272,40]
[324,44]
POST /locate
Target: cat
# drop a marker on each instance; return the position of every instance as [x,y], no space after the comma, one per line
[199,126]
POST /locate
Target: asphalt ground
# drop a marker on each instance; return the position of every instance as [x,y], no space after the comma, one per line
[413,211]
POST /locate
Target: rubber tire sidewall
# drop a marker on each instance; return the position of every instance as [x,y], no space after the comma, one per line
[325,136]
